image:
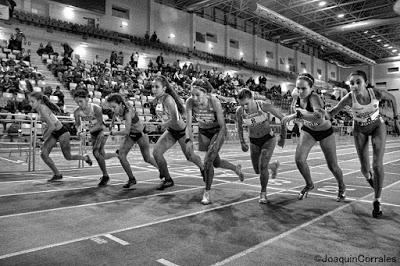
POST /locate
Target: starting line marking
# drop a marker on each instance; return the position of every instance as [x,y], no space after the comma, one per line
[116,239]
[166,262]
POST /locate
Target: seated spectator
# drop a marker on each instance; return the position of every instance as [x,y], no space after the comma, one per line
[60,96]
[67,49]
[66,61]
[48,49]
[12,43]
[41,50]
[147,36]
[48,91]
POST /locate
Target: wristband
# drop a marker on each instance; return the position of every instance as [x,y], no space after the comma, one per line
[187,140]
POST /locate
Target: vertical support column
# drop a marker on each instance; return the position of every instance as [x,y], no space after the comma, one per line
[326,71]
[296,59]
[277,56]
[255,49]
[226,41]
[372,74]
[312,65]
[192,32]
[150,22]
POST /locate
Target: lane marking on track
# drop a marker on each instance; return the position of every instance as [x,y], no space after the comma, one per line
[167,219]
[294,229]
[166,262]
[116,239]
[13,161]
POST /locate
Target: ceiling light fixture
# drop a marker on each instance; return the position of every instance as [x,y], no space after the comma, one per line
[341,16]
[373,36]
[390,47]
[395,50]
[322,3]
[385,45]
[379,40]
[366,32]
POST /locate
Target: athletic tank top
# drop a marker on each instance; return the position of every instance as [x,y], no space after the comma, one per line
[206,116]
[162,112]
[365,114]
[308,108]
[52,118]
[88,120]
[255,119]
[136,125]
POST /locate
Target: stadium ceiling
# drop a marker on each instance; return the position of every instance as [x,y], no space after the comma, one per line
[370,28]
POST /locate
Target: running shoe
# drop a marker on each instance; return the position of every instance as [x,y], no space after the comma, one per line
[274,169]
[130,183]
[55,178]
[206,198]
[263,198]
[166,183]
[239,172]
[103,181]
[341,193]
[304,191]
[377,212]
[88,160]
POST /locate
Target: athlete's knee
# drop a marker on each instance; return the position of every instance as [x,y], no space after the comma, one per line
[333,167]
[378,167]
[217,162]
[300,159]
[147,158]
[157,153]
[96,153]
[44,155]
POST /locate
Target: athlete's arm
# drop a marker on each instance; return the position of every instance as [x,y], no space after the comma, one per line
[128,124]
[384,95]
[267,107]
[51,126]
[189,118]
[99,119]
[170,105]
[319,113]
[216,104]
[346,100]
[239,119]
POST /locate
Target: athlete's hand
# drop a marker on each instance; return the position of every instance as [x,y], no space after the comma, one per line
[286,119]
[245,147]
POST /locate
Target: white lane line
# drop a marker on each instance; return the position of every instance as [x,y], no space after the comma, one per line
[116,239]
[12,161]
[166,262]
[294,229]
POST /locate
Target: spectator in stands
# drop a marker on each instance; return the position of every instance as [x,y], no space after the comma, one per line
[96,60]
[12,104]
[153,37]
[67,49]
[12,43]
[19,36]
[11,5]
[120,58]
[66,60]
[151,64]
[147,36]
[113,58]
[6,83]
[48,91]
[49,49]
[40,51]
[134,60]
[60,96]
[160,61]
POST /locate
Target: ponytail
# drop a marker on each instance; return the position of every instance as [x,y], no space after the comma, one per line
[46,101]
[171,91]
